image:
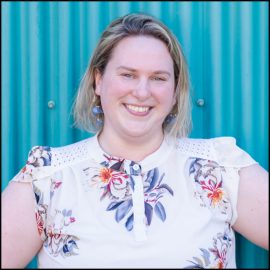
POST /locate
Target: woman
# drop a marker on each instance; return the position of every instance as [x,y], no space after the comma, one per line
[139,193]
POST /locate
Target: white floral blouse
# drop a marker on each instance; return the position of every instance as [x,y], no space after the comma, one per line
[174,209]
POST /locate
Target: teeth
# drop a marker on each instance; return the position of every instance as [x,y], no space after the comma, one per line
[137,108]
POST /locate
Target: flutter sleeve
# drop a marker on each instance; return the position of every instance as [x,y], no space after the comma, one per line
[231,158]
[38,171]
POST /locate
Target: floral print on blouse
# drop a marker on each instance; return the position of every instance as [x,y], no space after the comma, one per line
[92,208]
[207,178]
[221,244]
[55,241]
[118,186]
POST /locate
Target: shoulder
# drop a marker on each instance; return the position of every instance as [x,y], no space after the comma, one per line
[45,160]
[223,150]
[42,156]
[69,154]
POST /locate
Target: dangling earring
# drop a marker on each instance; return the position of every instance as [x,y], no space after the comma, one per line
[98,113]
[170,118]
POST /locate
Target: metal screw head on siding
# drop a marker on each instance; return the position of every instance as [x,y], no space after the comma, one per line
[51,104]
[200,102]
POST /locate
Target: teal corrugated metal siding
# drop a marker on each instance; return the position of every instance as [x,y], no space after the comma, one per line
[46,47]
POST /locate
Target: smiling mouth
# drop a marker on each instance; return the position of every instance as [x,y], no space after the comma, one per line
[138,110]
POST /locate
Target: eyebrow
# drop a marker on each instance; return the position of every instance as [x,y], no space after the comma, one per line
[155,72]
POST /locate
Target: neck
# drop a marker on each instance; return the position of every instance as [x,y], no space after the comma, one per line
[132,148]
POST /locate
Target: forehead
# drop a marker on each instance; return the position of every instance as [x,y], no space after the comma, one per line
[141,52]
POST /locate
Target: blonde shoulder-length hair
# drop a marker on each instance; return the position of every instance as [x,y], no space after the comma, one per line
[134,25]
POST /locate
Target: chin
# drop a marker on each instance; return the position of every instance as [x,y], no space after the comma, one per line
[138,131]
[135,134]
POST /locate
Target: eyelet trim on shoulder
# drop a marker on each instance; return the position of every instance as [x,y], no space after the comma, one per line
[65,155]
[196,148]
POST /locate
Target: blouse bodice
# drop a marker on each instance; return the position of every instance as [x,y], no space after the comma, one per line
[173,209]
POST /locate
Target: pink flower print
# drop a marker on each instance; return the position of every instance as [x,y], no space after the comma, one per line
[40,223]
[114,183]
[72,219]
[214,191]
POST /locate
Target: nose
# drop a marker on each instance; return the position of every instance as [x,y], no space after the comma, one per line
[142,90]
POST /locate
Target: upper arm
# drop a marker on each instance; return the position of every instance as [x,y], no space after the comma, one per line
[252,205]
[20,238]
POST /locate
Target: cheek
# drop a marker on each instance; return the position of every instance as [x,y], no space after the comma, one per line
[114,87]
[166,96]
[124,87]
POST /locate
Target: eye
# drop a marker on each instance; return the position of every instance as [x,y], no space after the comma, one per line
[128,75]
[158,78]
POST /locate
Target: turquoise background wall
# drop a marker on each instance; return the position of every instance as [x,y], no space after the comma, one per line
[46,47]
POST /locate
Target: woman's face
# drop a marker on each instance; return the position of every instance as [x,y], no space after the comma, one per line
[137,87]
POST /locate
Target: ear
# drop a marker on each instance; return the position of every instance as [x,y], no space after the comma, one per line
[98,79]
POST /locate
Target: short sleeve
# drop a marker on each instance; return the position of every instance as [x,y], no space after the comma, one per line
[37,171]
[231,158]
[229,154]
[38,165]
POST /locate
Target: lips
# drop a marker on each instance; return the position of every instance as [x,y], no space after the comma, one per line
[138,110]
